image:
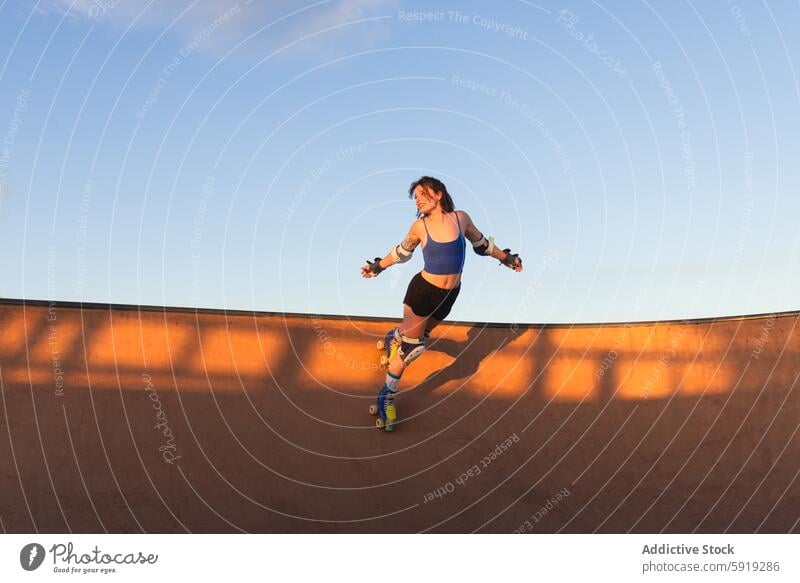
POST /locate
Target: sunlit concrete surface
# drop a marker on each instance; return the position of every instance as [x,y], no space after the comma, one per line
[147,419]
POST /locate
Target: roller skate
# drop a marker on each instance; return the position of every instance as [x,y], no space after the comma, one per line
[385,410]
[390,344]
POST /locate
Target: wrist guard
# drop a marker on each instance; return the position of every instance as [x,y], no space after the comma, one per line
[375,266]
[511,259]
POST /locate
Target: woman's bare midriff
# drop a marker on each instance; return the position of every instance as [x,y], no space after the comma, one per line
[443,281]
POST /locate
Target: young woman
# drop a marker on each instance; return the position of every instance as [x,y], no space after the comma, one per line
[442,230]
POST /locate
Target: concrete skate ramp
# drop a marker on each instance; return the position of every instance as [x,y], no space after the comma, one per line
[143,419]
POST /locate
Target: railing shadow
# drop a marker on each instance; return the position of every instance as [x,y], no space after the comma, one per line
[175,421]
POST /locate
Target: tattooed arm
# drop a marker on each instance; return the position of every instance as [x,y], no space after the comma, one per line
[399,254]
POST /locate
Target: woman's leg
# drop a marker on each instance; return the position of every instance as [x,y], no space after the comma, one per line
[413,326]
[432,323]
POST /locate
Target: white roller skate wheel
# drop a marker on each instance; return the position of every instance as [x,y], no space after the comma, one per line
[379,423]
[373,409]
[381,345]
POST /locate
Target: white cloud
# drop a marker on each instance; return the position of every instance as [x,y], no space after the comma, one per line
[244,19]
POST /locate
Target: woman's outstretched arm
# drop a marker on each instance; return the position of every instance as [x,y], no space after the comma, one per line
[488,248]
[399,254]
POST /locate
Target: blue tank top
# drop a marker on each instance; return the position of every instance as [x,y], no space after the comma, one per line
[444,258]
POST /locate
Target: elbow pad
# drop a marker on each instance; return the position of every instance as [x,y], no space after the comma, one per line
[400,254]
[483,247]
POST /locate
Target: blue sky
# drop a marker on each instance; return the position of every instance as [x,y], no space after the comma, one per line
[640,158]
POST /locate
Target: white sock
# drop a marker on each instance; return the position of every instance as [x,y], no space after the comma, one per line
[391,382]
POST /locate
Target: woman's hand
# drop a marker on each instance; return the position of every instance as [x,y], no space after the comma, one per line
[372,268]
[512,260]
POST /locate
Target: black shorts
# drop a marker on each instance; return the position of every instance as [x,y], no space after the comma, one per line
[426,299]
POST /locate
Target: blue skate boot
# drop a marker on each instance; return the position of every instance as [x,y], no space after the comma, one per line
[390,343]
[385,409]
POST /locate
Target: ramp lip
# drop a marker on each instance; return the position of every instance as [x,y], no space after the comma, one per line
[303,315]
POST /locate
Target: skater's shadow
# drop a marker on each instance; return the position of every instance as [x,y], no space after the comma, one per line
[467,357]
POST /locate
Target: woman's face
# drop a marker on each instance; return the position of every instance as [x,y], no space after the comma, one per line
[426,199]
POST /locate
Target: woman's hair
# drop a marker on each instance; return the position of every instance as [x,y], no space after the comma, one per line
[428,182]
